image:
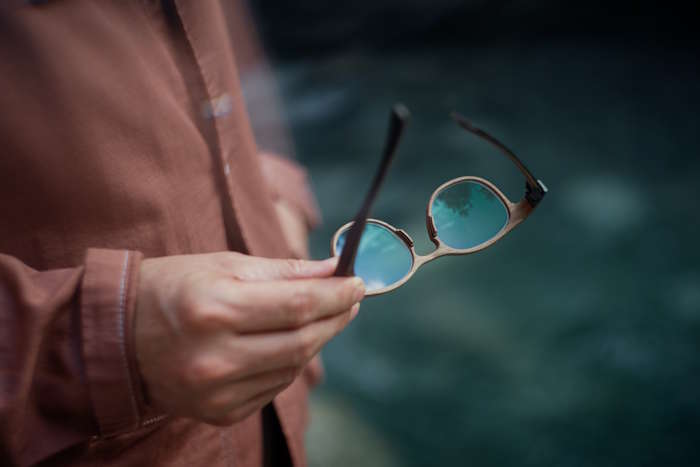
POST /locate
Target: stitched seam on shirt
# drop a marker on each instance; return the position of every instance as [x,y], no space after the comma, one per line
[121,312]
[222,158]
[226,447]
[153,420]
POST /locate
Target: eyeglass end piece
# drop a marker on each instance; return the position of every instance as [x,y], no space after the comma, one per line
[534,194]
[542,186]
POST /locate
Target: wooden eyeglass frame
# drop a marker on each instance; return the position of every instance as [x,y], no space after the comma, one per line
[535,190]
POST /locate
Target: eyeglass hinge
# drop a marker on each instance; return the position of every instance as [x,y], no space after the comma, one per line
[431,227]
[401,233]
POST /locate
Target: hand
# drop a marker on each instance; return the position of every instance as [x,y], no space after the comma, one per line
[218,336]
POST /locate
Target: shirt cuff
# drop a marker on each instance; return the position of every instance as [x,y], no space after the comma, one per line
[108,299]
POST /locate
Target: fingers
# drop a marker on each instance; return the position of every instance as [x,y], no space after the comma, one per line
[228,357]
[282,355]
[225,397]
[253,307]
[250,268]
[294,348]
[297,347]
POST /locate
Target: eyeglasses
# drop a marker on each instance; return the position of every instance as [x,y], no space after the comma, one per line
[464,215]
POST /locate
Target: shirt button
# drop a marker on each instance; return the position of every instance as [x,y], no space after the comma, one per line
[217,107]
[227,169]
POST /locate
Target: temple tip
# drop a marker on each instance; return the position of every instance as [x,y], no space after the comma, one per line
[401,112]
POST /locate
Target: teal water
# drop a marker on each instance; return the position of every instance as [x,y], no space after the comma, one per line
[576,339]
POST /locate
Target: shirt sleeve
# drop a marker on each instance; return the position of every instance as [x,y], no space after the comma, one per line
[67,370]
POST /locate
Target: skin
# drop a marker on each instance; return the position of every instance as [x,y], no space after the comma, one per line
[217,336]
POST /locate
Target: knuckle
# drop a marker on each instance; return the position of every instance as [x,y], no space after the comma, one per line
[309,354]
[188,303]
[199,316]
[196,312]
[307,339]
[234,263]
[202,370]
[302,307]
[241,360]
[346,295]
[235,319]
[298,353]
[190,306]
[294,266]
[300,302]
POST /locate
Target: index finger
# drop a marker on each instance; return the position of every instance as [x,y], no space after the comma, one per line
[279,305]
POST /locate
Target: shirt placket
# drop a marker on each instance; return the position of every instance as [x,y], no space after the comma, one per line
[246,187]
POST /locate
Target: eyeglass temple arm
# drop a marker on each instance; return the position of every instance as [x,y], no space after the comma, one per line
[399,118]
[535,189]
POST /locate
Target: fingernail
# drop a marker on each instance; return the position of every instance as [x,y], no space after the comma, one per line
[359,287]
[321,267]
[354,311]
[329,264]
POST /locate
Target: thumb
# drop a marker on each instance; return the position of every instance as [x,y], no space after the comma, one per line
[265,269]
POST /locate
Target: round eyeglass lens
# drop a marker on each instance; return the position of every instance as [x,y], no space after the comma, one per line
[468,214]
[382,257]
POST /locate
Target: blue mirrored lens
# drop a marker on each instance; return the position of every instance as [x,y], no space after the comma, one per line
[382,258]
[467,214]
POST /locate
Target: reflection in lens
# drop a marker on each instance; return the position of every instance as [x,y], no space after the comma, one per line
[467,214]
[382,258]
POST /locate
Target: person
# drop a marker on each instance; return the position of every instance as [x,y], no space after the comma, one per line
[154,307]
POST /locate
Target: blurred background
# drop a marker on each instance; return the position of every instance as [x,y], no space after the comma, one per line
[575,340]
